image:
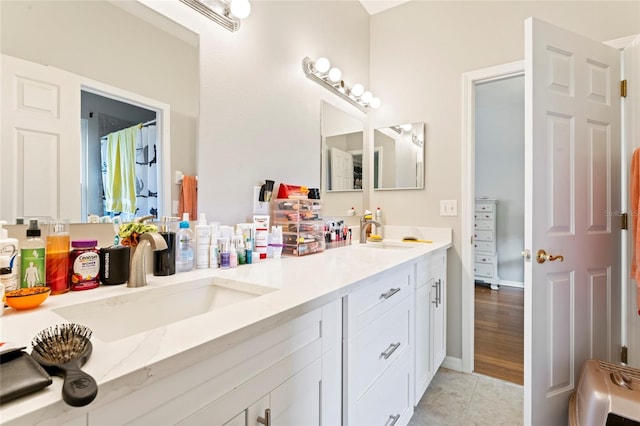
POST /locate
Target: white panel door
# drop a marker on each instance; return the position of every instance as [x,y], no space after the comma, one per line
[341,170]
[572,183]
[40,141]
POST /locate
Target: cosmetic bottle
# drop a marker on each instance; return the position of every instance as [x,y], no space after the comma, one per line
[32,256]
[9,257]
[184,259]
[203,242]
[223,246]
[248,251]
[233,257]
[214,254]
[57,264]
[277,241]
[164,261]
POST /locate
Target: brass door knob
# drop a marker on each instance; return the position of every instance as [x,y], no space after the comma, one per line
[542,256]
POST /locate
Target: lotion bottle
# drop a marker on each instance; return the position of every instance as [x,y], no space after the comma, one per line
[33,258]
[8,260]
[184,260]
[203,242]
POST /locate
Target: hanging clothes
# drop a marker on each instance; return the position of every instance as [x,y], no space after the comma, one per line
[120,176]
[635,221]
[188,202]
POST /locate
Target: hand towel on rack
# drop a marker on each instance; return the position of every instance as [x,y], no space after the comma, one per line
[189,197]
[634,186]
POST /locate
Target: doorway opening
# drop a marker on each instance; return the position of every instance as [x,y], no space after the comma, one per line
[494,184]
[102,116]
[499,229]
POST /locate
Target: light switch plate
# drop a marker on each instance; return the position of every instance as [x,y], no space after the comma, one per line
[174,207]
[448,207]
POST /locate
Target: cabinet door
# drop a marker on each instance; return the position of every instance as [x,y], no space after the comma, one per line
[297,401]
[423,358]
[438,320]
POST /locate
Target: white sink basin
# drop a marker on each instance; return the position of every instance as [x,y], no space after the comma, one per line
[117,317]
[388,245]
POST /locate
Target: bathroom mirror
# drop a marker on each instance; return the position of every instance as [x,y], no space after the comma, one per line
[342,136]
[161,60]
[342,142]
[398,157]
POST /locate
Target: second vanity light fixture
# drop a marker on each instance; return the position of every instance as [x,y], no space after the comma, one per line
[322,73]
[227,13]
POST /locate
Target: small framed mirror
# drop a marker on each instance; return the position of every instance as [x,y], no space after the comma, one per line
[398,156]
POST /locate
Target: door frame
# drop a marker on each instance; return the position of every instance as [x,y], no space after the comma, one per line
[469,82]
[163,124]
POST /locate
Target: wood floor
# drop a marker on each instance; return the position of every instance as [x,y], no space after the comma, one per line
[499,333]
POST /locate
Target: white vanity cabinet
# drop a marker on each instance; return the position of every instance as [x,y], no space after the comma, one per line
[430,319]
[378,350]
[290,374]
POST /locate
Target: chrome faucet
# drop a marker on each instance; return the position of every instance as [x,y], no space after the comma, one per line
[364,221]
[138,267]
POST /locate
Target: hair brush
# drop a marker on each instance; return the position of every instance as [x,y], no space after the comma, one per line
[62,350]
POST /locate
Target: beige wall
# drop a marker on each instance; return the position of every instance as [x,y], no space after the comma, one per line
[419,52]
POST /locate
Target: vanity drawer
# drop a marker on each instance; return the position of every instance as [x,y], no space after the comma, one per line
[379,345]
[388,401]
[484,270]
[483,216]
[483,225]
[384,291]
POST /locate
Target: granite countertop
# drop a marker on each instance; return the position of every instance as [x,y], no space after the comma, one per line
[293,286]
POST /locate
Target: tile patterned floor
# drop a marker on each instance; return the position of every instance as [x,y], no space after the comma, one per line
[455,398]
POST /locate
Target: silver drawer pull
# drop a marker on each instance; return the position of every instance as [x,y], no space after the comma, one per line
[266,420]
[392,420]
[389,293]
[390,350]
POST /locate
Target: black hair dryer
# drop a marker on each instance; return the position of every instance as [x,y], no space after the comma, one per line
[266,190]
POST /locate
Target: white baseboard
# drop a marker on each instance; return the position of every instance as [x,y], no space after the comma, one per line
[452,363]
[511,283]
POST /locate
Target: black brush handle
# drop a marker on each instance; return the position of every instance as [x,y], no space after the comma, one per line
[78,388]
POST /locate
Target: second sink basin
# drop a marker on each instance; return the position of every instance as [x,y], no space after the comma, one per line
[117,317]
[387,245]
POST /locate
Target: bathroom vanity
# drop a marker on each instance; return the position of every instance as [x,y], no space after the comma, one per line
[352,336]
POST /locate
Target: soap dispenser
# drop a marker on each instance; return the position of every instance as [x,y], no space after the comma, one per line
[164,261]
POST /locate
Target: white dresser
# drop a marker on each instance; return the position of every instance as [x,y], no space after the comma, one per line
[484,239]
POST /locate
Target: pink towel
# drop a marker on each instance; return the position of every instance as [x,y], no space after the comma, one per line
[635,221]
[188,202]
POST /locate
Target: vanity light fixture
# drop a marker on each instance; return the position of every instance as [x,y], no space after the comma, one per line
[227,13]
[322,73]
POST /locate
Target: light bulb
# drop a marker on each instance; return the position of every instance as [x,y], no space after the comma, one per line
[240,8]
[323,65]
[357,90]
[406,127]
[335,74]
[375,103]
[366,97]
